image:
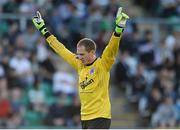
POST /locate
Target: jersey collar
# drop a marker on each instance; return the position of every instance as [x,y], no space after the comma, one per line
[91,63]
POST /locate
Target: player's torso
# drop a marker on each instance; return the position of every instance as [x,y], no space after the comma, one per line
[93,84]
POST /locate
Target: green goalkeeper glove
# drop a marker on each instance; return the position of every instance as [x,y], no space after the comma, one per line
[39,24]
[121,19]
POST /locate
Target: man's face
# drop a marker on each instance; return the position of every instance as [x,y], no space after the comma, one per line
[83,55]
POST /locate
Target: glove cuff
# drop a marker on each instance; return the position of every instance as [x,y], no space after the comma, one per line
[117,34]
[119,29]
[46,35]
[43,30]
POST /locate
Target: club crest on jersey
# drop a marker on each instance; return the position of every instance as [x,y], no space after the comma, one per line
[91,71]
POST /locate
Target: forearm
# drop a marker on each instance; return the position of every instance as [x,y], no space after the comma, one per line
[62,51]
[113,45]
[110,52]
[57,46]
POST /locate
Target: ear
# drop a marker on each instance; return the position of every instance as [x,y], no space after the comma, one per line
[92,51]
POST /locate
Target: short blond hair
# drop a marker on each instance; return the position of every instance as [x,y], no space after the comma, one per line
[89,44]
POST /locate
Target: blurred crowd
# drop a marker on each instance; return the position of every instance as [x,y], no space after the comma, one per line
[160,8]
[150,71]
[38,89]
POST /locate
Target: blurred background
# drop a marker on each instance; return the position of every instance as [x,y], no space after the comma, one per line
[38,89]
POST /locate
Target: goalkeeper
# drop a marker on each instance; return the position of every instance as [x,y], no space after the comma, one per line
[94,72]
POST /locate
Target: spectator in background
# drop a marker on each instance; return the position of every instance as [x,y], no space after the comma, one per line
[150,6]
[3,26]
[30,37]
[154,99]
[27,7]
[139,83]
[178,109]
[149,103]
[166,114]
[101,3]
[60,112]
[146,49]
[166,77]
[23,68]
[5,107]
[170,41]
[36,94]
[15,119]
[6,49]
[168,8]
[177,69]
[122,71]
[16,96]
[132,63]
[10,6]
[19,43]
[34,116]
[3,83]
[13,80]
[101,41]
[6,72]
[64,81]
[2,71]
[41,50]
[169,89]
[130,39]
[13,32]
[125,69]
[38,101]
[47,68]
[162,53]
[80,6]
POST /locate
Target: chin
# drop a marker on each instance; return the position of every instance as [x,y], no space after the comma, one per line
[85,63]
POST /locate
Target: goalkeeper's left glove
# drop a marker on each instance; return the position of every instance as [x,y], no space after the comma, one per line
[121,19]
[40,25]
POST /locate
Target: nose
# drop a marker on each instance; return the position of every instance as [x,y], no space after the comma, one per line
[79,57]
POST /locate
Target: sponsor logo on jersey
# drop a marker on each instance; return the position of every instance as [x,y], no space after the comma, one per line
[85,83]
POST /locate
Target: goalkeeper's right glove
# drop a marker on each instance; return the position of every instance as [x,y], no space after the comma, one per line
[40,25]
[121,19]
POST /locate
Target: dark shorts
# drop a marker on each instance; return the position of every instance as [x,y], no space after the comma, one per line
[98,123]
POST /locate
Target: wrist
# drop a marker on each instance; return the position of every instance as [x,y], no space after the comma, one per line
[46,35]
[117,34]
[43,30]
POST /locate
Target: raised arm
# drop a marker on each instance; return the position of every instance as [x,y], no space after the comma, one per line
[57,46]
[110,52]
